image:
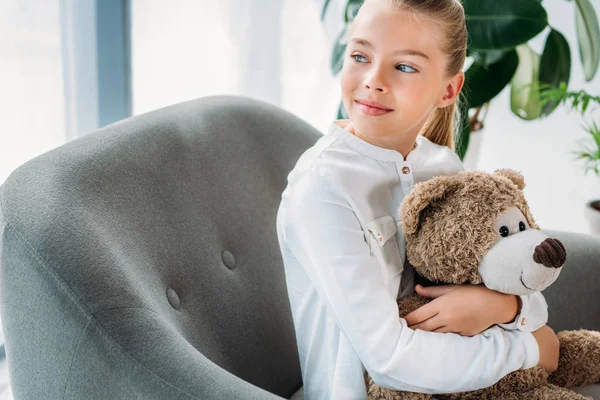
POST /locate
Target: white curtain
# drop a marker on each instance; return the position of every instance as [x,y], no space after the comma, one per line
[31,81]
[277,51]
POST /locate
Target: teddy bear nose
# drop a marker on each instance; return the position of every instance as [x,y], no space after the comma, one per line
[550,253]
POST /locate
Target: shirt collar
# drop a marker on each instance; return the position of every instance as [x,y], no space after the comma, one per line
[369,149]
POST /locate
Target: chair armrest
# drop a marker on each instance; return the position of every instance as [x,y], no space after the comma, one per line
[135,353]
[56,348]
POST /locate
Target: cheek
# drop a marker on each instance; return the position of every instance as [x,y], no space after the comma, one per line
[414,93]
[413,86]
[348,80]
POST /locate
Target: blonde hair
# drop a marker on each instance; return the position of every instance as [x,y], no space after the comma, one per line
[449,16]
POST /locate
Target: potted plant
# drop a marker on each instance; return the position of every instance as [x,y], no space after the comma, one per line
[590,154]
[589,150]
[499,32]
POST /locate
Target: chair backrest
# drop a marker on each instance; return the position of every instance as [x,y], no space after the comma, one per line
[156,236]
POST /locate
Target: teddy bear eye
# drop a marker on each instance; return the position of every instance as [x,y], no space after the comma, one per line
[504,231]
[522,226]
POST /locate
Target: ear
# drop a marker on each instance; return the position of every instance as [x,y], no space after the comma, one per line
[512,175]
[423,194]
[452,90]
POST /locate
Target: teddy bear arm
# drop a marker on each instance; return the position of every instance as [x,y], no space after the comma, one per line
[509,387]
[408,304]
[376,392]
[552,392]
[579,360]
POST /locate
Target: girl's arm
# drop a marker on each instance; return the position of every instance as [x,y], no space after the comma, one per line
[323,232]
[469,310]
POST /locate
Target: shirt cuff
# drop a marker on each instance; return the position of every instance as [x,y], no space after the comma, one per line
[514,325]
[532,351]
[526,322]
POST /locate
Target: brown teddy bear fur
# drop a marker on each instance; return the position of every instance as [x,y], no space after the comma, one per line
[449,225]
[448,222]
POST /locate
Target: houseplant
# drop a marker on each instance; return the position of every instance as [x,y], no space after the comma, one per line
[589,150]
[590,154]
[499,32]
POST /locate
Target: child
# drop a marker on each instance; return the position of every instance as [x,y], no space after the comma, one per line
[341,241]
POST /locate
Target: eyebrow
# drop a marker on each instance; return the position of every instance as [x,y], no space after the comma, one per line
[409,52]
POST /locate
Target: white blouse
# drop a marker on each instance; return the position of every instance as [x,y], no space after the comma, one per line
[343,252]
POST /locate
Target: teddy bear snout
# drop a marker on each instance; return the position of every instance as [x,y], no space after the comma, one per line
[551,253]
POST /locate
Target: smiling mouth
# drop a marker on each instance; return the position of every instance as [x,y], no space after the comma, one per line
[523,283]
[370,110]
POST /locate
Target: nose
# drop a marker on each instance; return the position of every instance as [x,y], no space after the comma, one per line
[550,253]
[375,81]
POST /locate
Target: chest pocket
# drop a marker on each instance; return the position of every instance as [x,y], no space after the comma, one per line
[384,244]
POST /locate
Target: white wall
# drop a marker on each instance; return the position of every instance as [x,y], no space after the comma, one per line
[557,189]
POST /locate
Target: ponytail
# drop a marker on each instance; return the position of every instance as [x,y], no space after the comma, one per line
[441,125]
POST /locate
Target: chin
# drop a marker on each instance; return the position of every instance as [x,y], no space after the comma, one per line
[373,124]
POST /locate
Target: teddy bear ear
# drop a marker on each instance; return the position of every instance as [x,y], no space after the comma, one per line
[421,196]
[513,175]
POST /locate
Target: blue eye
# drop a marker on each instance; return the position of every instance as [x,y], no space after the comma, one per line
[358,55]
[406,68]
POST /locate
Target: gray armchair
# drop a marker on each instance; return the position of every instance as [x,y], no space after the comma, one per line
[141,261]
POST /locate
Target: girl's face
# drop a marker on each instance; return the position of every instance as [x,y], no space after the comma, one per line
[394,59]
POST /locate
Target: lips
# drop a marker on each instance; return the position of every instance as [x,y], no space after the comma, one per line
[372,108]
[374,104]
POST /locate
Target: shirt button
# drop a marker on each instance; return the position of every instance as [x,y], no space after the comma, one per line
[523,321]
[405,170]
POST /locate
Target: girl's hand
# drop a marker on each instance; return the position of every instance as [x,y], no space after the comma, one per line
[463,309]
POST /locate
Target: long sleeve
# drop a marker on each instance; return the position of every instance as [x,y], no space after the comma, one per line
[533,315]
[324,234]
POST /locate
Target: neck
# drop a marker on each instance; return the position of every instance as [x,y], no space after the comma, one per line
[403,144]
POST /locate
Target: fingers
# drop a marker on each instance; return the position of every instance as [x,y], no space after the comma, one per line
[431,325]
[433,292]
[421,314]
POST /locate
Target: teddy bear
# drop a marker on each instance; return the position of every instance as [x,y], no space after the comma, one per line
[476,228]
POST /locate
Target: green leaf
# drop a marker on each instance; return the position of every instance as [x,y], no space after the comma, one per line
[324,9]
[339,48]
[588,34]
[555,66]
[352,8]
[486,58]
[483,84]
[462,136]
[589,152]
[524,96]
[497,25]
[577,101]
